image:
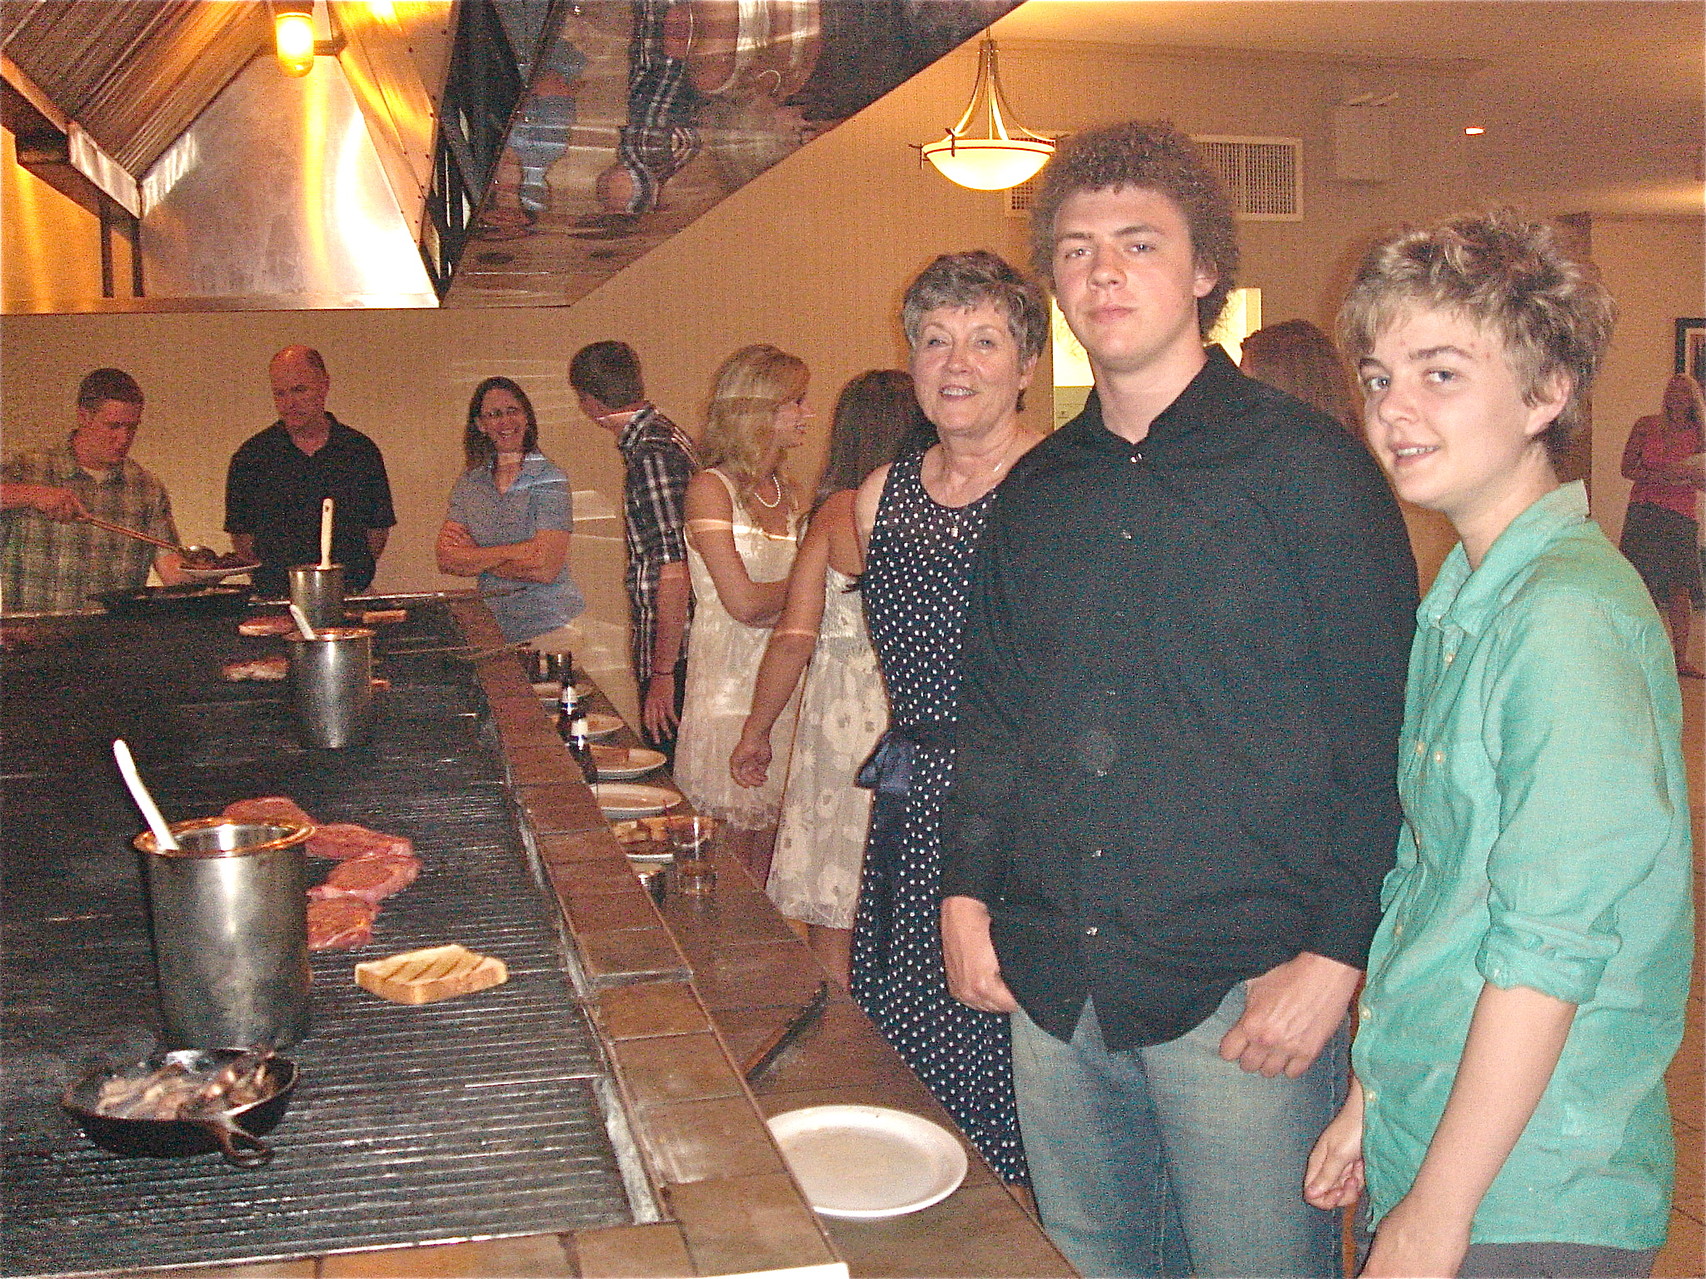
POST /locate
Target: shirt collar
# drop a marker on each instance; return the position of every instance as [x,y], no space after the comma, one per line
[66,466]
[1204,400]
[636,426]
[1465,597]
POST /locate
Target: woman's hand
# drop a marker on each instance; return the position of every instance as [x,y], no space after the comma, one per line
[750,763]
[974,972]
[1334,1176]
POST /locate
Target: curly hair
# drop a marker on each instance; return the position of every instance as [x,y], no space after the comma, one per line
[1154,156]
[749,387]
[966,280]
[1509,274]
[477,449]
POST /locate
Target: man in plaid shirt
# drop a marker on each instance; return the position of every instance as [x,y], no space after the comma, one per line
[660,460]
[51,559]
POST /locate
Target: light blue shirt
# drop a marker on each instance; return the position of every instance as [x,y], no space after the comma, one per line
[539,499]
[1545,845]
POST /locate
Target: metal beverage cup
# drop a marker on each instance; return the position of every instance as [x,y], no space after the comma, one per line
[229,917]
[318,592]
[331,693]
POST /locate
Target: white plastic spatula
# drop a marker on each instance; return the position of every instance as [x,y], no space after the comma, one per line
[326,533]
[150,810]
[302,622]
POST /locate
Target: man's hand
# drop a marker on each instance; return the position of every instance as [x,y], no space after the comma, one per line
[658,714]
[974,973]
[56,503]
[1290,1013]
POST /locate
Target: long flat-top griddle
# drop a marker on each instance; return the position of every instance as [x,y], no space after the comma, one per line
[476,1117]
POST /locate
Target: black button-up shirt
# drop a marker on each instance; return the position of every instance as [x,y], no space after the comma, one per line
[1180,701]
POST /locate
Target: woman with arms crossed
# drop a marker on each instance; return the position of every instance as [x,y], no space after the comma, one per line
[1525,991]
[510,517]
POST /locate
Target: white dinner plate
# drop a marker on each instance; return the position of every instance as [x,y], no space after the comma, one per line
[625,799]
[216,574]
[866,1162]
[550,692]
[639,762]
[602,725]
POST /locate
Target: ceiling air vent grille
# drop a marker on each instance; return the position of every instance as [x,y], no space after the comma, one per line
[1262,176]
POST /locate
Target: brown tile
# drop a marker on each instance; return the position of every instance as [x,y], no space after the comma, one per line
[843,1051]
[600,912]
[696,1140]
[307,1268]
[604,875]
[580,846]
[702,924]
[632,1252]
[977,1230]
[758,975]
[739,1225]
[649,1009]
[565,807]
[674,1068]
[1681,1257]
[631,954]
[533,765]
[524,1257]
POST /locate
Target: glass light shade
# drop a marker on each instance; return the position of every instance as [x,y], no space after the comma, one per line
[1003,155]
[293,36]
[988,164]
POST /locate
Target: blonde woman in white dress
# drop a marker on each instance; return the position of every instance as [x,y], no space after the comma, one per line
[742,517]
[820,842]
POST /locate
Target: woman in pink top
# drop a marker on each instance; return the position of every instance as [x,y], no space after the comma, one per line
[1661,532]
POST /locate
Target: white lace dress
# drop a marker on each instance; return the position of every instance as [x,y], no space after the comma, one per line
[820,845]
[722,665]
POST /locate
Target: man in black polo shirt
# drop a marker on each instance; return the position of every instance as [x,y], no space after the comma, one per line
[1174,801]
[279,478]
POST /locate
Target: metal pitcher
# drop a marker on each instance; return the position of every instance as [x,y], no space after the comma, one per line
[332,687]
[318,590]
[229,916]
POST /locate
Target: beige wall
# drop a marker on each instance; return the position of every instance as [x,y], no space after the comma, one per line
[1657,270]
[812,256]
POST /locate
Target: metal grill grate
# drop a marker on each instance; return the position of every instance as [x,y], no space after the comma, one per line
[464,1119]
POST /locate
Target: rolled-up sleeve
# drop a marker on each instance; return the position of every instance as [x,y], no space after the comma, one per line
[1581,774]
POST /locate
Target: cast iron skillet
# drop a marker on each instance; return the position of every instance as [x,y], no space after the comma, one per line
[233,1133]
[191,599]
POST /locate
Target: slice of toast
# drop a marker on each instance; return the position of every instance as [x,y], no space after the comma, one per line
[424,976]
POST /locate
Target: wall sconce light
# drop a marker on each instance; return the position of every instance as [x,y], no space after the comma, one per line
[293,37]
[1002,155]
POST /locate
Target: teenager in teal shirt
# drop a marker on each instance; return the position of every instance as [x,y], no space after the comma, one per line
[1525,991]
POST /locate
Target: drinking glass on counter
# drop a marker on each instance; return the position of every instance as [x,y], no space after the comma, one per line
[691,840]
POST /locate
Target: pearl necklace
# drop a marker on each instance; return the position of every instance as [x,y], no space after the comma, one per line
[770,506]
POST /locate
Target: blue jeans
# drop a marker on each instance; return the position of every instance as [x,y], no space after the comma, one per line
[1169,1161]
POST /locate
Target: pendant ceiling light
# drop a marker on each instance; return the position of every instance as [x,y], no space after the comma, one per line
[1002,155]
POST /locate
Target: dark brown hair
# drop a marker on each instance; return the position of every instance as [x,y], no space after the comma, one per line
[107,384]
[1156,157]
[477,449]
[877,419]
[609,372]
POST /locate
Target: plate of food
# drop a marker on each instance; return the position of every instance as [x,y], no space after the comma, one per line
[620,800]
[598,725]
[624,763]
[208,566]
[867,1162]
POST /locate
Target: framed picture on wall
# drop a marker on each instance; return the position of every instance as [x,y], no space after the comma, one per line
[1691,348]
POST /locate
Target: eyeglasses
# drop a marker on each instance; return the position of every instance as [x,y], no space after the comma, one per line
[494,415]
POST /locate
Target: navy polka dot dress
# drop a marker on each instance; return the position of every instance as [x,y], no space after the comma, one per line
[915,587]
